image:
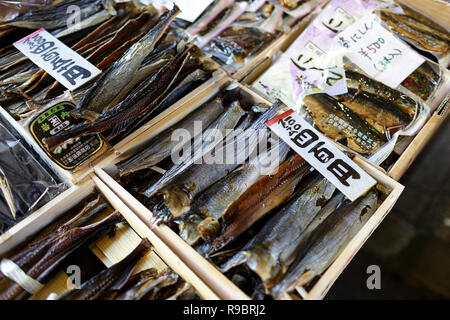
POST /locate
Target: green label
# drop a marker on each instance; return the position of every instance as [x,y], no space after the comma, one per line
[73,152]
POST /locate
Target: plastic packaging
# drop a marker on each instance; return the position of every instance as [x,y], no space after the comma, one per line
[26,185]
[417,29]
[315,64]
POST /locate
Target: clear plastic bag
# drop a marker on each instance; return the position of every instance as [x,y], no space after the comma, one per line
[25,184]
[11,9]
[416,29]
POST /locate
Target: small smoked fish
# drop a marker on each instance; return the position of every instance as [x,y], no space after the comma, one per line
[59,248]
[179,192]
[212,136]
[138,285]
[327,111]
[326,242]
[264,195]
[393,98]
[209,15]
[111,278]
[120,73]
[215,200]
[163,145]
[273,249]
[418,32]
[143,100]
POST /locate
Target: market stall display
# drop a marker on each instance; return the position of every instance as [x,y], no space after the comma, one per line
[227,150]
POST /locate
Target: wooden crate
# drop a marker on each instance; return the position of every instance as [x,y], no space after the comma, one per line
[107,155]
[221,285]
[434,10]
[108,250]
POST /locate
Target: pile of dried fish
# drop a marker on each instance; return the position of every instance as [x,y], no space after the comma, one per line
[417,29]
[119,283]
[65,239]
[146,68]
[42,257]
[263,230]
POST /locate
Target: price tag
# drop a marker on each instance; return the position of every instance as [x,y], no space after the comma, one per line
[61,62]
[378,52]
[320,153]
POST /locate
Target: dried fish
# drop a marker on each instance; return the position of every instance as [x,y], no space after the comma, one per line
[264,195]
[120,73]
[163,145]
[143,100]
[324,109]
[54,252]
[273,249]
[110,279]
[326,242]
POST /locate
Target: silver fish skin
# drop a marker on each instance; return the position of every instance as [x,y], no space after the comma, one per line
[163,145]
[326,242]
[6,191]
[242,142]
[271,251]
[178,194]
[216,199]
[221,126]
[122,71]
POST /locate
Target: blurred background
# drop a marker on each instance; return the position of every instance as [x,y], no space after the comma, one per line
[412,245]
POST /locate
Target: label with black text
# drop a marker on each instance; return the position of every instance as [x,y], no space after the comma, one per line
[321,154]
[61,62]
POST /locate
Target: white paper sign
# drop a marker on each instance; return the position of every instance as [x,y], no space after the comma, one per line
[320,153]
[190,9]
[378,52]
[61,62]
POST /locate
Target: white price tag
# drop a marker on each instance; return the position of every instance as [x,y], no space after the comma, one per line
[320,153]
[378,52]
[61,62]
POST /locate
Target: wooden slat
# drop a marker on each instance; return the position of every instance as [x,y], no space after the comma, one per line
[220,284]
[168,256]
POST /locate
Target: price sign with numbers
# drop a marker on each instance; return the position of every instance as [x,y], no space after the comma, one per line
[61,62]
[323,155]
[378,52]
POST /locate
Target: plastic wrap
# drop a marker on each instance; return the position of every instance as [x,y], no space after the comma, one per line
[416,29]
[316,64]
[11,9]
[25,185]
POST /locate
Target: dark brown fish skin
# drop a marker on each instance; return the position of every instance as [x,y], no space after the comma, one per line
[112,80]
[321,106]
[60,247]
[133,106]
[98,285]
[266,194]
[135,287]
[419,32]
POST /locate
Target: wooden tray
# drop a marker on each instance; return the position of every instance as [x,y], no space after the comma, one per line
[221,285]
[108,250]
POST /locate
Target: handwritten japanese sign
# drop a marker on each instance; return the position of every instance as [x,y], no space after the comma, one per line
[378,52]
[61,62]
[320,153]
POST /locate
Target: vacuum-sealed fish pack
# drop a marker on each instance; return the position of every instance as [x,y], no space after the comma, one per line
[25,184]
[357,81]
[417,29]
